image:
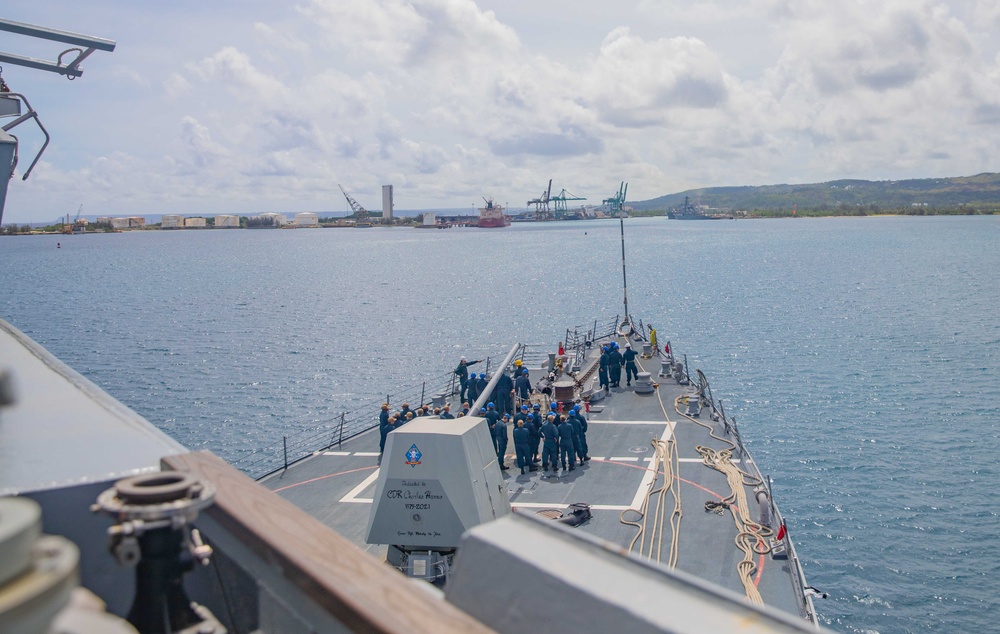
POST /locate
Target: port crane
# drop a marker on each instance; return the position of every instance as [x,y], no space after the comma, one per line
[617,202]
[360,213]
[542,203]
[560,199]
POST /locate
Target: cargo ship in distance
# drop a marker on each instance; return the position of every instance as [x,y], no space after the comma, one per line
[492,215]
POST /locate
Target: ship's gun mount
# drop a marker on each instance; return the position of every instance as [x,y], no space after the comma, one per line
[438,479]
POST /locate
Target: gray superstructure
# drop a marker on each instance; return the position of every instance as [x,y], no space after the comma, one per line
[687,211]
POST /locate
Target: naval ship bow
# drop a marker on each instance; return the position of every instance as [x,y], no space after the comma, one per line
[669,499]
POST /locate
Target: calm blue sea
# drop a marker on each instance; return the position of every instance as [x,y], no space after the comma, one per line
[861,357]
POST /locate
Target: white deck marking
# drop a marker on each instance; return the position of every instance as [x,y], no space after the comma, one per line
[336,453]
[593,507]
[368,454]
[650,475]
[352,496]
[625,458]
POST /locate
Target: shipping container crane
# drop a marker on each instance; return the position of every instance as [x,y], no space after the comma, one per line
[542,203]
[617,202]
[359,211]
[560,200]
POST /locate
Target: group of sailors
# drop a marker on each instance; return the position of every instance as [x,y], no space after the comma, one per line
[551,438]
[612,361]
[562,438]
[507,392]
[390,420]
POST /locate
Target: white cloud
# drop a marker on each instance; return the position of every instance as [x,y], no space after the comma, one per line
[450,98]
[234,69]
[636,83]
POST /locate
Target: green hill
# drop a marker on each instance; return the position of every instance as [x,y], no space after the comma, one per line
[966,194]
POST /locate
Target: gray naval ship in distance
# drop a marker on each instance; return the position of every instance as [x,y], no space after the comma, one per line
[108,525]
[687,211]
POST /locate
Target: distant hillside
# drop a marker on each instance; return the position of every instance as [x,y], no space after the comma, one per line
[980,191]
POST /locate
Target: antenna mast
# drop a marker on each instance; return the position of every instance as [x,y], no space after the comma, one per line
[620,199]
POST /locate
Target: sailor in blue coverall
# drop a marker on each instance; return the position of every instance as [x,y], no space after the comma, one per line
[500,439]
[566,451]
[631,371]
[521,448]
[463,376]
[550,450]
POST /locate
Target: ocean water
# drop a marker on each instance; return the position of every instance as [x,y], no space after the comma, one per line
[861,357]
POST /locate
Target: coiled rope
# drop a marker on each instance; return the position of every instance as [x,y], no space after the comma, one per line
[751,537]
[665,456]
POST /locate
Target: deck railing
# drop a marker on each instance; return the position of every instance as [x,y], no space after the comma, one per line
[338,426]
[733,431]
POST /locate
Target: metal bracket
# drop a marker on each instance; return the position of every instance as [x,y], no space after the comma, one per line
[30,114]
[83,44]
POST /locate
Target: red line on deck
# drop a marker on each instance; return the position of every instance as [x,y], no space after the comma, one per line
[329,475]
[761,560]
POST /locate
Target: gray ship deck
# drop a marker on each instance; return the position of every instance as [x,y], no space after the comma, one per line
[337,486]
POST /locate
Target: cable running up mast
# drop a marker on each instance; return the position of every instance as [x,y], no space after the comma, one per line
[619,202]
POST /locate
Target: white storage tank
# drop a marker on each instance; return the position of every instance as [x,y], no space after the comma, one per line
[195,223]
[227,221]
[279,220]
[171,222]
[306,219]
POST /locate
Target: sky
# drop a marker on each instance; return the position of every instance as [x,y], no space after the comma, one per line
[250,106]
